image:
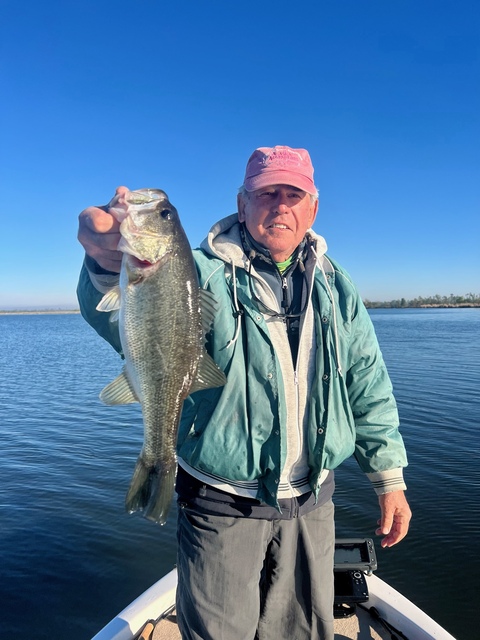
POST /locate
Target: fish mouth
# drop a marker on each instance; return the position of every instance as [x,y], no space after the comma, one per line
[140,262]
[135,257]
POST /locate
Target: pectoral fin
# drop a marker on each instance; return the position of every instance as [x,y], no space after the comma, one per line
[119,391]
[110,301]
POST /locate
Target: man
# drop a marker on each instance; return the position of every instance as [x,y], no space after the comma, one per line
[306,388]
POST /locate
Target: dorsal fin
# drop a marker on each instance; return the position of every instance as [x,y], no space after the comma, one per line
[209,308]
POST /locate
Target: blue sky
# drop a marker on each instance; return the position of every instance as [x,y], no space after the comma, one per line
[385,94]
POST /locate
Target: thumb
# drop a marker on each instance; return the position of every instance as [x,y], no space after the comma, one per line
[117,205]
[387,513]
[386,522]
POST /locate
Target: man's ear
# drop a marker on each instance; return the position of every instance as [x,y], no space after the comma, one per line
[314,213]
[241,208]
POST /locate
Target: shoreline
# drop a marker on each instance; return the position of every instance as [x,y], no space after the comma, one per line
[461,305]
[37,312]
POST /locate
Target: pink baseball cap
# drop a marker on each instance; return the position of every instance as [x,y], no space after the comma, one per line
[279,165]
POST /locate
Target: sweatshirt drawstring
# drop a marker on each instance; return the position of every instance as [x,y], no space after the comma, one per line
[238,312]
[335,328]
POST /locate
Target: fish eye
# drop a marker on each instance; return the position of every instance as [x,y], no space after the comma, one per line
[166,214]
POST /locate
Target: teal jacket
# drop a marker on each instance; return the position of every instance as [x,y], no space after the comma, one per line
[239,432]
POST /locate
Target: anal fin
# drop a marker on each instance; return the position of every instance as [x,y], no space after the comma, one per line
[209,374]
[119,391]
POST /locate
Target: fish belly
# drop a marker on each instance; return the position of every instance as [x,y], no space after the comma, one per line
[162,338]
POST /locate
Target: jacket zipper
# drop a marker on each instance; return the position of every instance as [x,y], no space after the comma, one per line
[285,301]
[299,434]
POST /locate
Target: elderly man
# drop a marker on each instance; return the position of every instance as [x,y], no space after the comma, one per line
[306,387]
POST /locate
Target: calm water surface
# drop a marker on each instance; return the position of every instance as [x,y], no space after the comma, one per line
[70,558]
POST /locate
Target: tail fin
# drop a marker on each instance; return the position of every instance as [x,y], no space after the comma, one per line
[151,489]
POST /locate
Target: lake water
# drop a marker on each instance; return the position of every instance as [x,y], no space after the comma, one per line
[70,558]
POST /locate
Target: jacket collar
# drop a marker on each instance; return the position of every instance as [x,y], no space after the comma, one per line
[224,241]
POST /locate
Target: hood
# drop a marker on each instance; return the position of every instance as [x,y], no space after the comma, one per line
[224,241]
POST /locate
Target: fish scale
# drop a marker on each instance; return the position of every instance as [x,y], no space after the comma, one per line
[162,332]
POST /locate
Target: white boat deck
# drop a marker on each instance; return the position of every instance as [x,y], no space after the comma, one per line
[136,621]
[359,627]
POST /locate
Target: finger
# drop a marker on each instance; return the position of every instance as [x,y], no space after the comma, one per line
[103,241]
[113,264]
[98,220]
[98,234]
[391,539]
[386,522]
[118,206]
[397,532]
[108,258]
[118,197]
[395,517]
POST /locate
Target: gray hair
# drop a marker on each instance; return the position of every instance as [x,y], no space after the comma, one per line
[246,194]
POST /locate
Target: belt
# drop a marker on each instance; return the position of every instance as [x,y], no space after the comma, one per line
[195,494]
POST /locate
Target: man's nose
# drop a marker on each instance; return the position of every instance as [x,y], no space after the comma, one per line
[281,205]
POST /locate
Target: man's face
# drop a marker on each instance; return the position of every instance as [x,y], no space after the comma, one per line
[277,217]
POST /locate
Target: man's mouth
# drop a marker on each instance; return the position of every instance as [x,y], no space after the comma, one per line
[278,226]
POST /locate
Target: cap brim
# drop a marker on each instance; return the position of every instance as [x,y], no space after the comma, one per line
[270,178]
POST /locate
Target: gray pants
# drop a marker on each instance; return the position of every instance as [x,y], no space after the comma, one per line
[246,579]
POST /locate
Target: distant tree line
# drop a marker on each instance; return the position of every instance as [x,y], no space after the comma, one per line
[467,300]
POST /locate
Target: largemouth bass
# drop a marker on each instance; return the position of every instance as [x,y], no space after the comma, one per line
[163,317]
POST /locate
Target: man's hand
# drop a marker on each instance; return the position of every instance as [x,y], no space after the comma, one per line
[98,232]
[395,517]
